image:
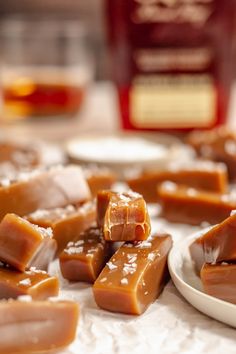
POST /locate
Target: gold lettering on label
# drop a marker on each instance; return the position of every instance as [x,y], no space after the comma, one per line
[177,11]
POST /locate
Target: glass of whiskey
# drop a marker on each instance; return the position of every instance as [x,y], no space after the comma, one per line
[46,66]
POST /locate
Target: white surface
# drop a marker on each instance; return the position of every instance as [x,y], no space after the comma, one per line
[188,283]
[170,325]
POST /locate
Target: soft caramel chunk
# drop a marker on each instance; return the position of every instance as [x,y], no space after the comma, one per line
[54,188]
[205,175]
[123,216]
[21,242]
[191,206]
[134,276]
[216,245]
[19,155]
[36,326]
[99,179]
[219,280]
[66,223]
[218,144]
[84,257]
[36,283]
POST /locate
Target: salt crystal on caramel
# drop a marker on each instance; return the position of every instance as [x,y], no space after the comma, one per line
[54,188]
[216,245]
[134,276]
[204,175]
[219,280]
[22,244]
[85,256]
[66,223]
[37,326]
[36,283]
[123,216]
[194,206]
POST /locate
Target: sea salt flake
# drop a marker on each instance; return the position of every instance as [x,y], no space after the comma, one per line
[24,298]
[25,282]
[111,266]
[233,212]
[151,256]
[143,244]
[169,186]
[103,280]
[73,250]
[191,192]
[124,281]
[146,292]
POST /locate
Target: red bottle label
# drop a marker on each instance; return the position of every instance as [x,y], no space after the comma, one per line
[171,69]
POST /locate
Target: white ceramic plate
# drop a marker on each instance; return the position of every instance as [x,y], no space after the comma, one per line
[189,284]
[127,150]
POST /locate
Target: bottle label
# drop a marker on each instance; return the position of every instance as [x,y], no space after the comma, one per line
[173,101]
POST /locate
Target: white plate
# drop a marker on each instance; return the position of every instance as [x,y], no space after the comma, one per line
[127,150]
[189,284]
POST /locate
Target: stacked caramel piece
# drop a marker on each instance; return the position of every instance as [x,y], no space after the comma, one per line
[214,256]
[34,322]
[130,279]
[198,190]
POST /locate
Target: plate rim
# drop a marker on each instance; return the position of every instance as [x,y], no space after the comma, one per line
[178,246]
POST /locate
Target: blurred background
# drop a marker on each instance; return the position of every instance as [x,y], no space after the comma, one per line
[106,65]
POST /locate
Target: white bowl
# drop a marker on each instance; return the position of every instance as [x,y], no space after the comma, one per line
[189,284]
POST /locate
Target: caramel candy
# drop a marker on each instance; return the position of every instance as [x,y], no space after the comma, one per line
[205,175]
[216,245]
[99,179]
[36,326]
[84,258]
[19,155]
[123,216]
[22,242]
[66,223]
[134,277]
[218,145]
[56,187]
[219,280]
[36,283]
[191,206]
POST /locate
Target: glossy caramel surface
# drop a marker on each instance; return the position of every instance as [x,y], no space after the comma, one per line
[20,240]
[85,256]
[37,326]
[219,280]
[123,216]
[66,223]
[204,175]
[216,245]
[134,276]
[193,206]
[36,283]
[54,188]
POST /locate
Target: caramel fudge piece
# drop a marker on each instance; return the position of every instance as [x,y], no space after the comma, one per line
[36,326]
[134,277]
[66,223]
[21,241]
[191,206]
[219,280]
[99,179]
[84,257]
[19,155]
[123,216]
[205,175]
[54,188]
[218,144]
[36,283]
[216,245]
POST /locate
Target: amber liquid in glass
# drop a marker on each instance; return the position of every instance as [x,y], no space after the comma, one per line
[25,98]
